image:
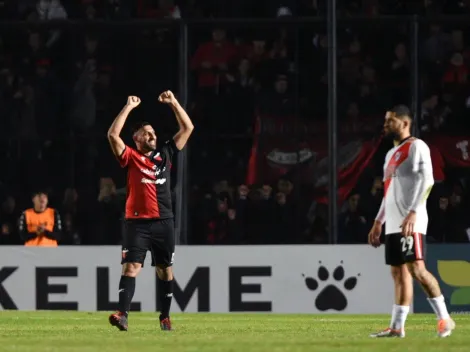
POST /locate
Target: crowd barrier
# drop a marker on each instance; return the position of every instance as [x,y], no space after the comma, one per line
[347,279]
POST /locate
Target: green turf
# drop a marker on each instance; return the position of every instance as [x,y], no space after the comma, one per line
[77,331]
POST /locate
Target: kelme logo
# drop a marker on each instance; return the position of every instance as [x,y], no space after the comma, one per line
[456,273]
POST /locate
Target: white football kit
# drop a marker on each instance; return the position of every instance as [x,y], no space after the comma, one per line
[408,179]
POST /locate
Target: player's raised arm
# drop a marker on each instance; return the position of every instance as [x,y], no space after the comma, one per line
[114,132]
[184,122]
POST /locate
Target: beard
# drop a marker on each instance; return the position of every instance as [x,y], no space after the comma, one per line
[391,136]
[149,147]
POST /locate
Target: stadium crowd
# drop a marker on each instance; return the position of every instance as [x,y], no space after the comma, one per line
[61,86]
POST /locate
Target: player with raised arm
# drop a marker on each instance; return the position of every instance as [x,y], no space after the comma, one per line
[408,180]
[149,215]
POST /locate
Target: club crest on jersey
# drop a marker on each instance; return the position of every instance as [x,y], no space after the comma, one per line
[397,156]
[157,157]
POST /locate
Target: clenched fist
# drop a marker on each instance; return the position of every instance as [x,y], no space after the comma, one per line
[167,97]
[133,101]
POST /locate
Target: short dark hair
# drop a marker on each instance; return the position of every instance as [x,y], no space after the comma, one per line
[401,111]
[139,125]
[39,192]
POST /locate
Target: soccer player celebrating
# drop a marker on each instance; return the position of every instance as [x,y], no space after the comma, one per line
[149,215]
[408,180]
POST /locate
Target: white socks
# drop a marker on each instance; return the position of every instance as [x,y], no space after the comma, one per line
[439,307]
[399,315]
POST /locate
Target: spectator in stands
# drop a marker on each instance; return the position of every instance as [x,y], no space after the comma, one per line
[108,212]
[283,219]
[268,206]
[70,234]
[40,226]
[353,117]
[220,227]
[352,222]
[278,102]
[429,107]
[258,55]
[374,198]
[351,63]
[241,80]
[281,53]
[158,9]
[83,107]
[400,73]
[71,218]
[103,92]
[445,224]
[51,10]
[370,101]
[241,87]
[70,206]
[34,51]
[437,46]
[317,232]
[458,43]
[118,9]
[242,208]
[211,61]
[8,221]
[456,74]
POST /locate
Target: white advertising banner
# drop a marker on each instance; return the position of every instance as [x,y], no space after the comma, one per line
[278,279]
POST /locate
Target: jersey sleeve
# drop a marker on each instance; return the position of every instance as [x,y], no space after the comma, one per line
[170,149]
[385,164]
[23,229]
[422,169]
[126,156]
[421,158]
[381,213]
[56,231]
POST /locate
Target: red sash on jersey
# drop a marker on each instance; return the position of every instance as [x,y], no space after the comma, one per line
[400,155]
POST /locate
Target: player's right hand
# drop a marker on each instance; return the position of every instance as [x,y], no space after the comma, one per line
[133,101]
[374,234]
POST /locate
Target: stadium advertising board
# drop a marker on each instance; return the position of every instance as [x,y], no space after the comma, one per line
[450,263]
[279,279]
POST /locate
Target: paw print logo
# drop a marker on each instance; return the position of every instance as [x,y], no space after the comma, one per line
[332,295]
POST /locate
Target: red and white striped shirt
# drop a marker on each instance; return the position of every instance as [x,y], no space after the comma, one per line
[408,179]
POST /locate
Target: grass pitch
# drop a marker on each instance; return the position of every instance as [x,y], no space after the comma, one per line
[84,332]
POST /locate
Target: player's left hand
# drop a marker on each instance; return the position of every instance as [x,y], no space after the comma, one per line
[167,97]
[408,225]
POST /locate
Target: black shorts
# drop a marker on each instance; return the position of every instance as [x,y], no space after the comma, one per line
[156,236]
[400,249]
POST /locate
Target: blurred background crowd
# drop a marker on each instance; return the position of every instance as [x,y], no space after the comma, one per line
[62,85]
